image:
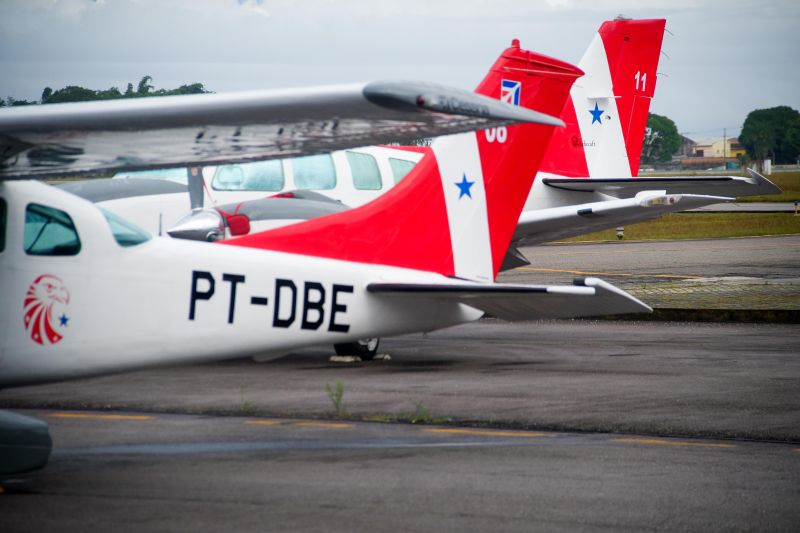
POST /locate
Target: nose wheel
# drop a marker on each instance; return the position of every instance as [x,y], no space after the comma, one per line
[363,348]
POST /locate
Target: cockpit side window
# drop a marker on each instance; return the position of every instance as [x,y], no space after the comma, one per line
[2,224]
[49,231]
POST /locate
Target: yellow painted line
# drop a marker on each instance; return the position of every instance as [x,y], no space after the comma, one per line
[264,422]
[100,417]
[486,433]
[617,274]
[663,442]
[332,425]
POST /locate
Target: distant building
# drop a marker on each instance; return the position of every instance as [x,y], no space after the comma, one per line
[710,153]
[687,147]
[729,147]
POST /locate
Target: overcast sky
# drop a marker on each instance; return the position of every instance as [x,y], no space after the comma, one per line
[725,58]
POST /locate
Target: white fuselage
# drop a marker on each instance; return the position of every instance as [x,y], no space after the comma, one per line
[339,181]
[120,308]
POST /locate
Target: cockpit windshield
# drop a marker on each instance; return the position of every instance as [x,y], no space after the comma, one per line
[125,233]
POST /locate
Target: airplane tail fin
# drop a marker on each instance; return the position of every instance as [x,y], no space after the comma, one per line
[456,211]
[606,114]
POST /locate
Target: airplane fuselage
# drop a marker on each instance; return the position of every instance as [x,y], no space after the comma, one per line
[110,308]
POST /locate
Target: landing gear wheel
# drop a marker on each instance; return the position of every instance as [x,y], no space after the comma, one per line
[366,349]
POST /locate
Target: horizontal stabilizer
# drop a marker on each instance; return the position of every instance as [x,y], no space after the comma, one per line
[538,226]
[587,297]
[734,186]
[197,130]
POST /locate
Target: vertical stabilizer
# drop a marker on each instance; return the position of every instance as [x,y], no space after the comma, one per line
[606,114]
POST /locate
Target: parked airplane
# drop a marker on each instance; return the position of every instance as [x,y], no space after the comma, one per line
[97,295]
[589,185]
[587,179]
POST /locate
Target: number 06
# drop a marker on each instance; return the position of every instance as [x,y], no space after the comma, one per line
[497,134]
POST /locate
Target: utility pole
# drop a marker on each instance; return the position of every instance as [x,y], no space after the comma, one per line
[724,142]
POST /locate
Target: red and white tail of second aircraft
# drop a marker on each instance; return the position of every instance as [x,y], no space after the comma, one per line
[606,114]
[588,180]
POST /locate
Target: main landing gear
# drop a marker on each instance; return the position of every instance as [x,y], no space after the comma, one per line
[366,349]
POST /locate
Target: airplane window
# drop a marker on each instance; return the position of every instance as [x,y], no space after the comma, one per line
[125,233]
[228,178]
[49,231]
[2,224]
[257,176]
[314,172]
[366,175]
[400,167]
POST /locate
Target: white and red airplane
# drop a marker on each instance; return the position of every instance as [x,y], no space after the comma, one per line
[587,181]
[87,293]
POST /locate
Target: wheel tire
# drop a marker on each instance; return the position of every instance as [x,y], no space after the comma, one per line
[366,349]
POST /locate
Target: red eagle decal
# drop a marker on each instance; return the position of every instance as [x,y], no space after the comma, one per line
[43,295]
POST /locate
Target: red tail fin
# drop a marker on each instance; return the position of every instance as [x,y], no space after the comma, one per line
[606,114]
[456,211]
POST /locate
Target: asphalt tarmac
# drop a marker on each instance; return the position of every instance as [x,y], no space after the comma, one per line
[628,263]
[552,426]
[143,472]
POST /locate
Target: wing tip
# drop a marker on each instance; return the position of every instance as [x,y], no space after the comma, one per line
[442,99]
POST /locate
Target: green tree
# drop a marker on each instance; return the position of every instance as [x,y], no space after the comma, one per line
[793,138]
[144,87]
[74,93]
[661,139]
[14,102]
[770,133]
[109,94]
[71,93]
[192,88]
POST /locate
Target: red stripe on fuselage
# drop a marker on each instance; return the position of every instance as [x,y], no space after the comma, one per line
[405,227]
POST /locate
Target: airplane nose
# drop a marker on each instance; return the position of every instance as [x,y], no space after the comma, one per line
[199,225]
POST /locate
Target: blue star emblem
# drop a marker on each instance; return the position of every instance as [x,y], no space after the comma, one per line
[63,319]
[597,113]
[464,187]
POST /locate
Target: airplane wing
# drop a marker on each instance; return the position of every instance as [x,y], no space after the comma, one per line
[732,186]
[544,225]
[196,130]
[587,297]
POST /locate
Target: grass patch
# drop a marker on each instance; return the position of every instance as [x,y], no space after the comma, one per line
[703,226]
[421,415]
[789,182]
[336,396]
[381,418]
